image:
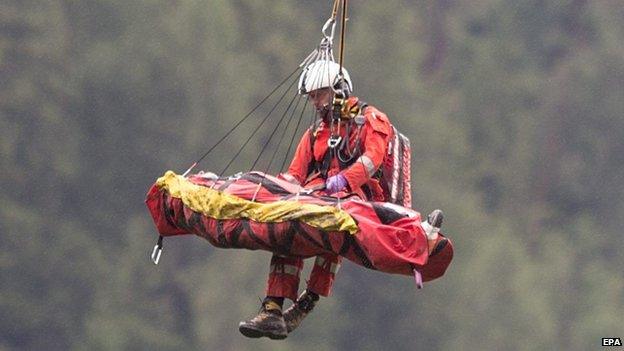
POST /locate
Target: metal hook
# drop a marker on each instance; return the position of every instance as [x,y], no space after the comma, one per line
[334,141]
[332,22]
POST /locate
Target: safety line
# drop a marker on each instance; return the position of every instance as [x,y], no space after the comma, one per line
[342,32]
[292,139]
[320,55]
[241,121]
[258,128]
[261,183]
[277,148]
[266,144]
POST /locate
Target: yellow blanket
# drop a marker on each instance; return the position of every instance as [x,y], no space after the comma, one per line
[220,205]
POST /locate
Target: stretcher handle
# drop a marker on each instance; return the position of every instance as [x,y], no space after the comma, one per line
[157,250]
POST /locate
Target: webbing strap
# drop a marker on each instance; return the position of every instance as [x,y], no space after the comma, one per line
[323,166]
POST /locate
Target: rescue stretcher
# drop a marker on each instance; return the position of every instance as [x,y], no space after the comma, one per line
[257,211]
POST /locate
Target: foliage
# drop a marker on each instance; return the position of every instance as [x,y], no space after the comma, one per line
[514,112]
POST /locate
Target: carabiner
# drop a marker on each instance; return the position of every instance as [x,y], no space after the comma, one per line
[334,141]
[332,22]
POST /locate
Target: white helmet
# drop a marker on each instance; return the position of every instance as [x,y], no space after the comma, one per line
[322,74]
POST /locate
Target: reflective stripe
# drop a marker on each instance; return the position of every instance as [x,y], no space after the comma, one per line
[320,261]
[285,269]
[368,164]
[395,168]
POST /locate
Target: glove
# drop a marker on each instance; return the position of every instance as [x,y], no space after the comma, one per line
[336,183]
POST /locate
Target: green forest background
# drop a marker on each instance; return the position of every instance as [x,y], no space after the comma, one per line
[515,112]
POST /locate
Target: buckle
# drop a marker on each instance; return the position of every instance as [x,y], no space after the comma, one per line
[333,141]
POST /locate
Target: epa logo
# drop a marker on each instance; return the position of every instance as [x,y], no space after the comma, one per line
[611,342]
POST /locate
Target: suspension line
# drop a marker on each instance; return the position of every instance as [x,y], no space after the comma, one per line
[266,144]
[240,122]
[256,130]
[292,139]
[279,144]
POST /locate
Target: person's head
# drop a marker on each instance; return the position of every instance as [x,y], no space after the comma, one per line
[321,80]
[321,98]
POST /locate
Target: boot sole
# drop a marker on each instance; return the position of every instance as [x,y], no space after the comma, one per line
[255,333]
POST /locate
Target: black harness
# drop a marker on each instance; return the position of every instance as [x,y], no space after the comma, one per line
[340,152]
[344,160]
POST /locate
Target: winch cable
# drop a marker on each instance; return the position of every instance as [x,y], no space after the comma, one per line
[240,122]
[343,25]
[341,75]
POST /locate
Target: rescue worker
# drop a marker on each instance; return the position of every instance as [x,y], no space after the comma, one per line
[342,153]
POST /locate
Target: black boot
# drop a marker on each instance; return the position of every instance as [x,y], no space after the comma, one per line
[432,226]
[435,218]
[299,310]
[269,322]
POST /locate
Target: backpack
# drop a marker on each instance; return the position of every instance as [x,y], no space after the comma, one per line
[396,171]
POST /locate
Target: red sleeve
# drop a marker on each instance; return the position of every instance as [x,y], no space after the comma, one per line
[377,134]
[303,155]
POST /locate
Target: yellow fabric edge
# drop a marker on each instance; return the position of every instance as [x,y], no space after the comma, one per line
[220,205]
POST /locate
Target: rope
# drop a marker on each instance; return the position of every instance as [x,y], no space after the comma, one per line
[239,122]
[256,130]
[314,56]
[335,9]
[342,32]
[269,141]
[284,134]
[292,139]
[324,54]
[264,147]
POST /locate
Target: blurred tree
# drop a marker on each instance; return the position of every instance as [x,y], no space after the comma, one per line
[514,112]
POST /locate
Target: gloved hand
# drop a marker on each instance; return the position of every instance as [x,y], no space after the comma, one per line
[336,183]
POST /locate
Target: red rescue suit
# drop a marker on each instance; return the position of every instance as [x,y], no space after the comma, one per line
[367,147]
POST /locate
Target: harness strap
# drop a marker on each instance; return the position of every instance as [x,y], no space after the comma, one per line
[323,166]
